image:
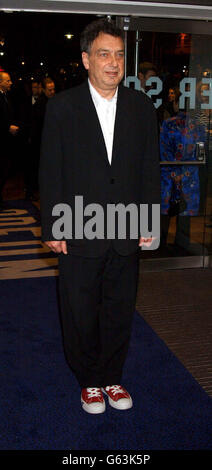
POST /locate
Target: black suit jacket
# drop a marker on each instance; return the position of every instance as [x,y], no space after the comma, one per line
[25,116]
[38,114]
[74,160]
[6,117]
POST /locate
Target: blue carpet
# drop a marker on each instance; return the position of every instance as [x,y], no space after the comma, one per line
[40,398]
[16,212]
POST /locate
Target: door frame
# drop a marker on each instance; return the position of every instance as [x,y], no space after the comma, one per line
[187,9]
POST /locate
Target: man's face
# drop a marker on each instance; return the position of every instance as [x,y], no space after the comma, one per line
[5,82]
[35,89]
[171,95]
[204,97]
[143,78]
[149,74]
[49,90]
[105,62]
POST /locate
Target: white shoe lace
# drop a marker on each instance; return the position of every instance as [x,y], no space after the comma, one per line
[94,392]
[114,389]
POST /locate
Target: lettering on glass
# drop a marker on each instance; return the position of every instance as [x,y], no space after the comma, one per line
[188,89]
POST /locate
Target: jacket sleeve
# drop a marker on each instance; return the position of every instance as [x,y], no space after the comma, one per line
[50,171]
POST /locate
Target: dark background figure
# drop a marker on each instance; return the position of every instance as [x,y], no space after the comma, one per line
[8,129]
[38,114]
[26,113]
[146,71]
[170,105]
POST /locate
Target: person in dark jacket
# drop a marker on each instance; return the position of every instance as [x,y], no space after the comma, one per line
[100,143]
[26,113]
[8,129]
[38,114]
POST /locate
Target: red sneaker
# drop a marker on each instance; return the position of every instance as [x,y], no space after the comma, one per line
[92,400]
[118,397]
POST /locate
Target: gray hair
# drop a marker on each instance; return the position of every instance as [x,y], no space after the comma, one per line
[92,30]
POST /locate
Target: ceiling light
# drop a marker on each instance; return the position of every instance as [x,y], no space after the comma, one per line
[69,36]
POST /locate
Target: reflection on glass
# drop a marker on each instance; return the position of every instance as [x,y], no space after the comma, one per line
[178,79]
[170,106]
[180,189]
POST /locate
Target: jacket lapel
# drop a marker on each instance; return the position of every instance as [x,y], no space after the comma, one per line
[121,127]
[92,123]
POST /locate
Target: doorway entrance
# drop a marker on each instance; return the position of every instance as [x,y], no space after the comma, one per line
[170,63]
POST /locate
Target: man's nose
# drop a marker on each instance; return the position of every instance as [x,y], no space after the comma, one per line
[113,60]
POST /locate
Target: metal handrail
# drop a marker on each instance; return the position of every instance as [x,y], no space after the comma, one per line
[181,163]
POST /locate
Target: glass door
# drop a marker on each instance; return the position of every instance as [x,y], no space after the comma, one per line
[175,71]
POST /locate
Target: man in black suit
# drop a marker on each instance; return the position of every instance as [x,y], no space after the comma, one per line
[99,143]
[8,129]
[48,91]
[38,113]
[25,113]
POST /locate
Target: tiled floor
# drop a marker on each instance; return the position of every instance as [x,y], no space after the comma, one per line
[177,304]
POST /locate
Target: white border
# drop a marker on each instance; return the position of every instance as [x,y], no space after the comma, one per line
[113,7]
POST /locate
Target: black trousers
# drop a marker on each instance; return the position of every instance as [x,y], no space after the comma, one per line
[5,164]
[97,297]
[31,167]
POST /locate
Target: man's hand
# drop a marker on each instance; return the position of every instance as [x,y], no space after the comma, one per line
[58,246]
[13,130]
[146,241]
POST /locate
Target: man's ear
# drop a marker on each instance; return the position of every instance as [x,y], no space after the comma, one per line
[85,60]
